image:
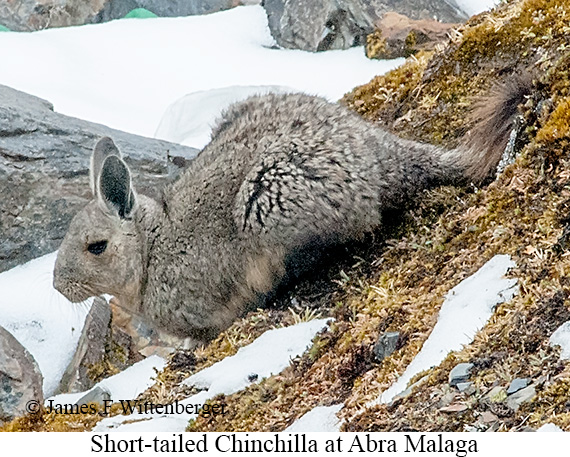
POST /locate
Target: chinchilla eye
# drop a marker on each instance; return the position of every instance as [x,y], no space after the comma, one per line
[98,247]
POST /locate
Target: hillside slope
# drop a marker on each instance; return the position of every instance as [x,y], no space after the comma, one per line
[396,281]
[451,233]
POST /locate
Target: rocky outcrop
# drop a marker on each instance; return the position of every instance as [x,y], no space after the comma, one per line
[28,15]
[112,339]
[103,350]
[399,36]
[320,25]
[20,379]
[44,161]
[115,9]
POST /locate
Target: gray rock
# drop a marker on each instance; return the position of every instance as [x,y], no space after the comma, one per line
[525,395]
[20,379]
[44,178]
[103,349]
[516,385]
[320,25]
[143,338]
[28,15]
[90,348]
[115,9]
[96,395]
[386,345]
[465,387]
[397,35]
[496,395]
[460,373]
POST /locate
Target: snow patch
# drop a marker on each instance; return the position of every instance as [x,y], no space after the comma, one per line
[561,337]
[549,428]
[40,318]
[472,7]
[267,355]
[189,120]
[126,385]
[150,64]
[319,419]
[466,309]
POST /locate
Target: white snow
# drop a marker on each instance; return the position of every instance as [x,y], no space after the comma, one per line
[40,318]
[189,120]
[319,419]
[126,73]
[472,7]
[466,309]
[270,353]
[561,337]
[126,385]
[549,428]
[267,355]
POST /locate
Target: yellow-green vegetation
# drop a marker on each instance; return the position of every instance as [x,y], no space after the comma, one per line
[397,280]
[451,234]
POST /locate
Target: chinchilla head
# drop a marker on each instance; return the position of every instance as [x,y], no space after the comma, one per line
[102,251]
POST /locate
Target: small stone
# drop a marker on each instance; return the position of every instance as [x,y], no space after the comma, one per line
[447,399]
[20,379]
[516,385]
[460,373]
[497,394]
[161,351]
[96,395]
[522,396]
[488,417]
[456,408]
[386,345]
[494,427]
[465,387]
[252,377]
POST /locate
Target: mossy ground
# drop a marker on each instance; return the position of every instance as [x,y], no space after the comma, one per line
[400,285]
[397,280]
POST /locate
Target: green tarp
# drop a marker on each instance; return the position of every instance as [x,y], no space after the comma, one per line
[140,13]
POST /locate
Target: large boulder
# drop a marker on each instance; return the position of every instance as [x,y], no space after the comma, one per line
[104,349]
[44,172]
[20,379]
[115,9]
[397,35]
[321,25]
[28,15]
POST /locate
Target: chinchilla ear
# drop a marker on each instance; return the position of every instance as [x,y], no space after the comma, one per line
[115,191]
[104,148]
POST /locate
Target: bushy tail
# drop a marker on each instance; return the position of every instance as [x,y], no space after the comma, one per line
[493,118]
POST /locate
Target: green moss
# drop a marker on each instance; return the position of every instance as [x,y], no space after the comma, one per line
[375,45]
[558,125]
[400,284]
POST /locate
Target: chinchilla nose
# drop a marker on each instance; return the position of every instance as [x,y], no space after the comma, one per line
[59,275]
